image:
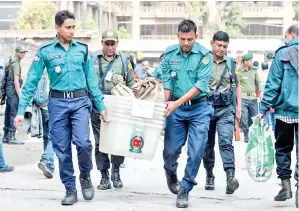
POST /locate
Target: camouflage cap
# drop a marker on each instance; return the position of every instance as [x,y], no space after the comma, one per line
[247,56]
[110,35]
[20,49]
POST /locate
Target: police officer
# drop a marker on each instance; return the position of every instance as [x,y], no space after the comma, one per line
[186,71]
[225,93]
[72,78]
[13,91]
[281,93]
[249,81]
[108,64]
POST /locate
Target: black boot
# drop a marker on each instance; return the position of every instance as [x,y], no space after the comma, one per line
[285,192]
[232,183]
[11,139]
[297,196]
[246,137]
[115,177]
[5,137]
[70,198]
[105,181]
[210,180]
[182,198]
[172,182]
[86,186]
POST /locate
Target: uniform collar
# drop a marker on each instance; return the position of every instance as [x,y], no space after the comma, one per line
[224,59]
[293,42]
[195,49]
[17,58]
[56,41]
[101,53]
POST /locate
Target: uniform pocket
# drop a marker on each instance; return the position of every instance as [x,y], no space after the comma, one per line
[57,65]
[77,63]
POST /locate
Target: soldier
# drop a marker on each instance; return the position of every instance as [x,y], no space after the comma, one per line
[186,71]
[281,93]
[249,81]
[72,78]
[225,93]
[13,90]
[108,64]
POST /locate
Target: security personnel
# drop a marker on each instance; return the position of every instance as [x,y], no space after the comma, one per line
[13,90]
[72,78]
[225,93]
[249,81]
[186,71]
[108,64]
[281,93]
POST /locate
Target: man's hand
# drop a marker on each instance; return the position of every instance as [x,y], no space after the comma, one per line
[272,110]
[238,114]
[260,116]
[18,121]
[171,106]
[104,116]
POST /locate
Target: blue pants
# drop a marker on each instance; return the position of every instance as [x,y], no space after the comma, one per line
[69,123]
[48,154]
[2,160]
[270,120]
[12,102]
[223,122]
[190,122]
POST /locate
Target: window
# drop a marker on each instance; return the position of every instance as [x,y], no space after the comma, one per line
[124,19]
[262,30]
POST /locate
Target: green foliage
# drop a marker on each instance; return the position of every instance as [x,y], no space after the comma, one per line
[296,10]
[36,15]
[123,34]
[233,19]
[90,25]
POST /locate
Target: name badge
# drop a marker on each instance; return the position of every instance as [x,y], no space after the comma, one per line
[175,62]
[57,69]
[109,75]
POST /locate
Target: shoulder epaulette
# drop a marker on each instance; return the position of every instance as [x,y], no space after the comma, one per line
[171,48]
[82,43]
[204,50]
[45,45]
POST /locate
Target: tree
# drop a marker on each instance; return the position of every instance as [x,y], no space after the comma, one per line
[123,33]
[36,15]
[296,10]
[214,16]
[90,25]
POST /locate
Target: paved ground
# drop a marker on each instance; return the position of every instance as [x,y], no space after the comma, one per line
[145,187]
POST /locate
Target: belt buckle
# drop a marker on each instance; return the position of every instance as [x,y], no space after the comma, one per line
[187,102]
[68,95]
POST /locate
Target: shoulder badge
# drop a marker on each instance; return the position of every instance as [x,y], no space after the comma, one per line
[236,71]
[36,58]
[205,60]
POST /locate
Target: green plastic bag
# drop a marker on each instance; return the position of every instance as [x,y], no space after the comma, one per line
[260,151]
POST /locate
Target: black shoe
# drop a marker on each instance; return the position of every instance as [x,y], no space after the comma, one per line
[246,138]
[86,185]
[210,180]
[115,177]
[232,183]
[70,198]
[182,198]
[105,181]
[7,169]
[172,182]
[285,192]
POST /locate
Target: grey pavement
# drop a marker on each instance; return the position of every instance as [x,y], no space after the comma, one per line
[144,187]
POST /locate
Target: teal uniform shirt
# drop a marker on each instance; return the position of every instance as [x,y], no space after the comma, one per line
[181,73]
[281,90]
[68,71]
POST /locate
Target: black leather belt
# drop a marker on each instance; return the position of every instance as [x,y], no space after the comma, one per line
[68,95]
[192,102]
